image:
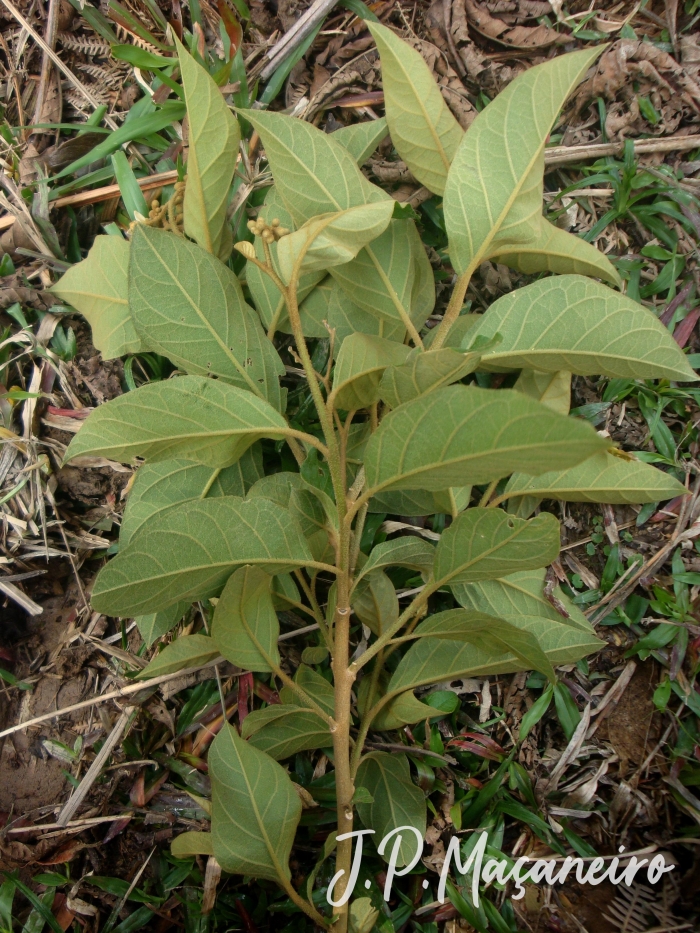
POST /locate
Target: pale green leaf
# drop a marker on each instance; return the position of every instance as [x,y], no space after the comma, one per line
[255,809]
[571,323]
[159,486]
[331,239]
[363,915]
[285,592]
[191,550]
[374,601]
[392,276]
[361,139]
[152,626]
[359,369]
[98,288]
[520,594]
[423,130]
[483,544]
[329,302]
[192,417]
[313,173]
[493,195]
[488,633]
[192,843]
[409,551]
[434,660]
[189,306]
[457,333]
[554,250]
[602,478]
[186,651]
[276,486]
[213,140]
[423,372]
[417,502]
[294,729]
[463,434]
[315,685]
[397,801]
[552,389]
[309,512]
[245,626]
[403,710]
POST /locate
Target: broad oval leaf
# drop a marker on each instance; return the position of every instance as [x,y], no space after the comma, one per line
[192,417]
[245,626]
[520,594]
[189,306]
[315,685]
[423,372]
[214,136]
[313,173]
[191,550]
[403,710]
[571,323]
[374,601]
[255,809]
[159,486]
[330,303]
[396,801]
[433,660]
[417,502]
[500,161]
[331,239]
[423,130]
[552,389]
[187,651]
[361,139]
[359,368]
[277,486]
[488,633]
[98,288]
[192,843]
[409,551]
[463,434]
[602,478]
[483,544]
[294,729]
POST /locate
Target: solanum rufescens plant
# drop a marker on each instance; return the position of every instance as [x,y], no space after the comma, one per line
[341,283]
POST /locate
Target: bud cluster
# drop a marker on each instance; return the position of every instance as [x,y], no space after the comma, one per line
[269,233]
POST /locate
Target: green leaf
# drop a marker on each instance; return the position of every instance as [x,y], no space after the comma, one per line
[403,710]
[423,130]
[493,195]
[152,626]
[98,288]
[436,659]
[571,323]
[397,801]
[535,713]
[410,551]
[457,333]
[519,594]
[391,275]
[487,543]
[359,369]
[486,632]
[417,502]
[189,306]
[554,250]
[192,843]
[255,809]
[315,685]
[331,239]
[245,626]
[277,486]
[462,434]
[423,372]
[308,510]
[159,486]
[552,389]
[192,417]
[191,550]
[361,139]
[329,302]
[186,651]
[374,601]
[313,173]
[602,478]
[214,136]
[290,730]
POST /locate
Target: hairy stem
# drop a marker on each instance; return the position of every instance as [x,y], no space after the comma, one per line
[453,308]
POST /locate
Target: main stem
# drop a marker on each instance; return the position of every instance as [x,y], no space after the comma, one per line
[343,678]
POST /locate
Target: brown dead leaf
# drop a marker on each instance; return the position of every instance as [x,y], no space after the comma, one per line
[453,91]
[513,37]
[65,853]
